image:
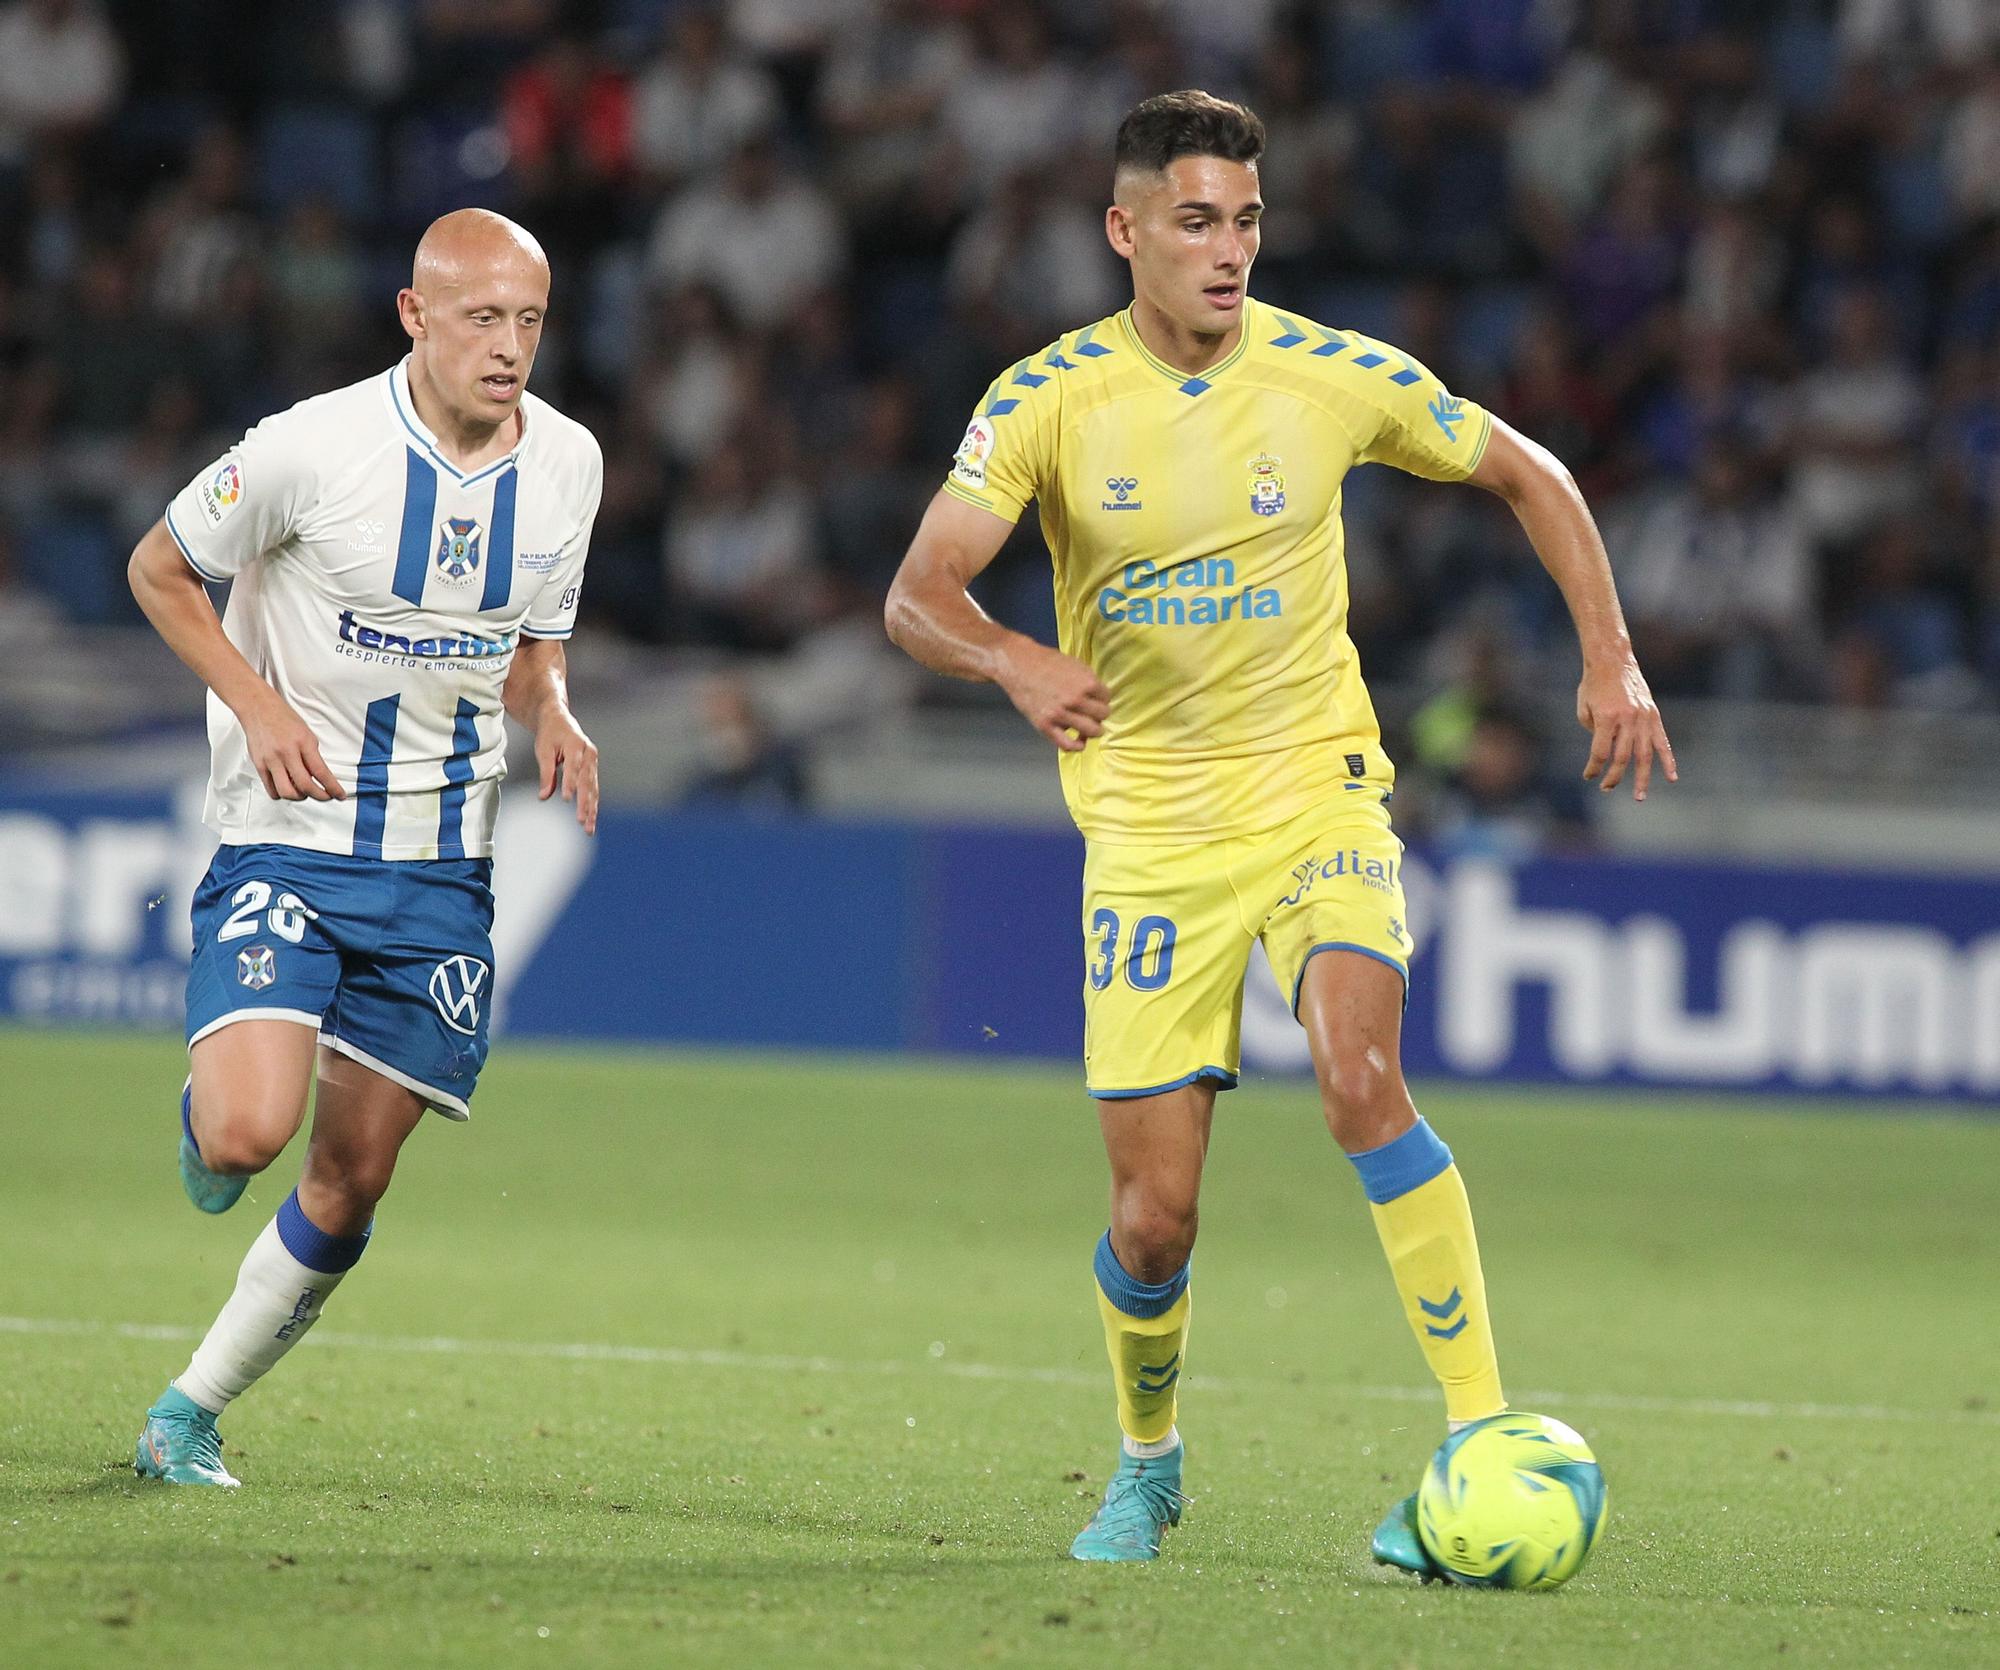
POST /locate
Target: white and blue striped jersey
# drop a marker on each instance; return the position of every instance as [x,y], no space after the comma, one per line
[382,592]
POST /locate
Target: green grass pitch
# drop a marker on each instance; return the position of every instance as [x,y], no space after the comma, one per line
[692,1359]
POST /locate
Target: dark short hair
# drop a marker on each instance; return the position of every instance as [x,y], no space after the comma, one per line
[1189,123]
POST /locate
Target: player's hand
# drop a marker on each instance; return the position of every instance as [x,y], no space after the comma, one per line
[1615,706]
[286,753]
[568,760]
[1056,693]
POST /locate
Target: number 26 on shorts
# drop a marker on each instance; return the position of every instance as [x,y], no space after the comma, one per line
[1148,957]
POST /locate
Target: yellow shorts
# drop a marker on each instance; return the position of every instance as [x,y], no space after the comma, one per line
[1168,931]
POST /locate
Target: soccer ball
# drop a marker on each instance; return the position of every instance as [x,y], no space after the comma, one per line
[1511,1502]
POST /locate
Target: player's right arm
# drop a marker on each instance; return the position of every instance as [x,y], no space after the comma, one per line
[222,521]
[282,746]
[933,617]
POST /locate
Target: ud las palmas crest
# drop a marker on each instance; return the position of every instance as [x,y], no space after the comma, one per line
[1267,486]
[458,549]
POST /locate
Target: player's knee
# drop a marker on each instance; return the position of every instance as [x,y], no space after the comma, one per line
[351,1183]
[239,1139]
[1155,1231]
[1365,1100]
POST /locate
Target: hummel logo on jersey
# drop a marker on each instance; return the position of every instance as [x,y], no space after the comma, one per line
[1449,411]
[458,549]
[367,535]
[455,987]
[1121,488]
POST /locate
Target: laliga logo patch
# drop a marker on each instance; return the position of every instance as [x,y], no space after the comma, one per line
[458,549]
[257,967]
[969,462]
[1267,486]
[456,985]
[222,492]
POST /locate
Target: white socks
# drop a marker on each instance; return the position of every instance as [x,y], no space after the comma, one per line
[290,1269]
[1153,1451]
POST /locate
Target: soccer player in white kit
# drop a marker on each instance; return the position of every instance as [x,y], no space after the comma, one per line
[405,558]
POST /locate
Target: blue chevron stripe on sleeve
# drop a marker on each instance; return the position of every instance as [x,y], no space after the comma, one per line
[1027,378]
[1088,348]
[1293,335]
[1452,1332]
[1331,343]
[1054,358]
[1369,361]
[1442,1309]
[1000,408]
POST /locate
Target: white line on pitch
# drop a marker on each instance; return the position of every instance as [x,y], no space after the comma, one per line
[672,1356]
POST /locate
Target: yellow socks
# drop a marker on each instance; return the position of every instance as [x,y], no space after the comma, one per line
[1145,1331]
[1425,1223]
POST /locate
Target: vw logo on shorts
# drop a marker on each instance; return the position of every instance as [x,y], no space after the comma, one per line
[456,985]
[257,967]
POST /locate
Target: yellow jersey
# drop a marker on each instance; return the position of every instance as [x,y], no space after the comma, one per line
[1199,569]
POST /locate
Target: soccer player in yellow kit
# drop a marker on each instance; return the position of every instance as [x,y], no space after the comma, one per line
[1218,748]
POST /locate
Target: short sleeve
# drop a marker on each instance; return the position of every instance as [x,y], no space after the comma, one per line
[243,505]
[1005,458]
[553,612]
[1423,427]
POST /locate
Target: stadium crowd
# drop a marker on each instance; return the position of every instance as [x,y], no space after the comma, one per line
[1738,263]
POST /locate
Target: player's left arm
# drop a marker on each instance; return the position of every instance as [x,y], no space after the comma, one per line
[1613,702]
[537,697]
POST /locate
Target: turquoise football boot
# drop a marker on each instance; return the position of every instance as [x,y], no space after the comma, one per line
[180,1444]
[1142,1500]
[212,1191]
[1396,1543]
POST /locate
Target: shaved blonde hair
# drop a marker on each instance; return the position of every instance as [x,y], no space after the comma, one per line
[467,242]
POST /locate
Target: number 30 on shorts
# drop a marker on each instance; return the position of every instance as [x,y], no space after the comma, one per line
[1148,957]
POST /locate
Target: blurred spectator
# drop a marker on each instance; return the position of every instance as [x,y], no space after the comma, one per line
[1952,30]
[742,561]
[700,100]
[763,237]
[1735,271]
[1627,262]
[1017,105]
[1717,581]
[744,764]
[874,496]
[885,83]
[1500,802]
[1853,462]
[568,117]
[1971,150]
[1572,139]
[200,228]
[1904,636]
[1035,260]
[701,378]
[61,69]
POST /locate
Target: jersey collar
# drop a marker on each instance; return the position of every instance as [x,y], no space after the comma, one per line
[405,409]
[1196,384]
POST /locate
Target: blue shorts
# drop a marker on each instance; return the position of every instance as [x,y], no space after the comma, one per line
[391,961]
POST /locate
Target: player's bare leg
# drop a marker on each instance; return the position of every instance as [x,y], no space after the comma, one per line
[1157,1146]
[1352,1009]
[360,1122]
[244,1101]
